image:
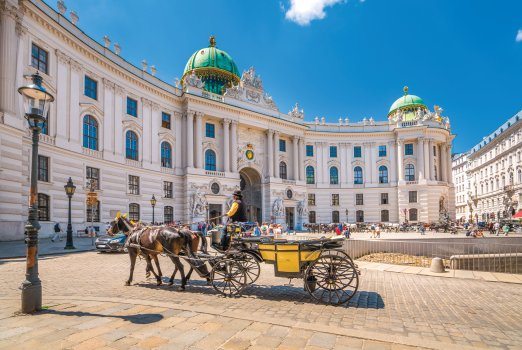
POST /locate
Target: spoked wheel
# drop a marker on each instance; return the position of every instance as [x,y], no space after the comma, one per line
[228,277]
[339,253]
[251,266]
[331,279]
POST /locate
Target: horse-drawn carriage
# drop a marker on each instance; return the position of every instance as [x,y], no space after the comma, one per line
[329,274]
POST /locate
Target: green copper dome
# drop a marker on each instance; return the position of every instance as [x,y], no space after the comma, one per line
[407,102]
[215,67]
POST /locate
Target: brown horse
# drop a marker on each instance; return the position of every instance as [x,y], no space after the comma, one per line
[153,240]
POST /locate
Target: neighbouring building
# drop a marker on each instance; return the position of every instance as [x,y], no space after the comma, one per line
[488,178]
[193,143]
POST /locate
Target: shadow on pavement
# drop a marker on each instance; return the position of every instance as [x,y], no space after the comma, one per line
[289,292]
[136,319]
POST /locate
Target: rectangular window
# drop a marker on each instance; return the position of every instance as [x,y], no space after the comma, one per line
[382,151]
[309,150]
[165,120]
[435,151]
[412,196]
[167,189]
[91,88]
[359,199]
[384,198]
[335,199]
[357,152]
[311,217]
[408,149]
[39,59]
[132,107]
[282,145]
[93,212]
[43,168]
[333,151]
[94,175]
[210,130]
[335,216]
[134,184]
[311,199]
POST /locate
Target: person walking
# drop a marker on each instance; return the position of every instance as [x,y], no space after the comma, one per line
[257,230]
[497,228]
[57,230]
[422,229]
[505,229]
[378,230]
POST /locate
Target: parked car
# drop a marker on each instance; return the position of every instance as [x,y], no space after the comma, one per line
[114,243]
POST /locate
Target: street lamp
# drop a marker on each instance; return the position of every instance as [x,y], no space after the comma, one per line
[153,203]
[69,191]
[36,106]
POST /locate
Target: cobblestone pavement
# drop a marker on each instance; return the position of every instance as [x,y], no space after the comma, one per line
[390,309]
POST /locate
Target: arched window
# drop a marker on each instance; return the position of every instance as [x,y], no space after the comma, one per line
[90,132]
[335,216]
[310,175]
[134,211]
[210,160]
[168,214]
[334,176]
[409,172]
[385,215]
[43,207]
[131,145]
[383,174]
[166,155]
[413,214]
[359,216]
[282,171]
[357,175]
[311,217]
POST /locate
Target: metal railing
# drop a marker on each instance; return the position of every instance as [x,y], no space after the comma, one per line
[474,256]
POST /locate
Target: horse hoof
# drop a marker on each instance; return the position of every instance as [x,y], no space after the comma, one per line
[181,289]
[171,283]
[147,275]
[159,283]
[127,283]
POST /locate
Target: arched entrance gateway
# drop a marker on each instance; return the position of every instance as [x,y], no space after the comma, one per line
[250,185]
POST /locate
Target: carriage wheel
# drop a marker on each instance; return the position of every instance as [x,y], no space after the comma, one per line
[251,266]
[331,279]
[338,253]
[228,277]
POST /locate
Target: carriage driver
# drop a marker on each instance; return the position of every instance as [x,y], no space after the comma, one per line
[237,212]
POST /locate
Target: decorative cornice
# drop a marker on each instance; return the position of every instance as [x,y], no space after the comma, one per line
[155,106]
[146,102]
[108,84]
[62,57]
[119,90]
[75,65]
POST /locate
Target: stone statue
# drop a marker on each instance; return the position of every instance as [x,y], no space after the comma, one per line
[198,204]
[278,208]
[418,114]
[399,115]
[296,112]
[250,78]
[193,80]
[302,209]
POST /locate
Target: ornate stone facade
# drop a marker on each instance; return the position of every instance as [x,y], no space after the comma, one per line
[192,148]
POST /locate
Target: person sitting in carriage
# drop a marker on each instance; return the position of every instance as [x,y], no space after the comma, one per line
[236,213]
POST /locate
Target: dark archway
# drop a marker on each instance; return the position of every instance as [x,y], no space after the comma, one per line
[250,184]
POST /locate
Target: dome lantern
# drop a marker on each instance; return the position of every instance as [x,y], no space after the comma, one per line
[408,105]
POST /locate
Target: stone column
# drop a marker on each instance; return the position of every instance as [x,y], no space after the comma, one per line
[420,158]
[295,156]
[154,137]
[178,158]
[9,42]
[443,163]
[301,159]
[118,116]
[276,154]
[270,151]
[62,86]
[367,176]
[449,164]
[373,167]
[146,115]
[427,160]
[400,163]
[348,165]
[233,146]
[226,145]
[319,157]
[190,139]
[74,112]
[326,156]
[432,165]
[199,140]
[108,117]
[393,162]
[342,161]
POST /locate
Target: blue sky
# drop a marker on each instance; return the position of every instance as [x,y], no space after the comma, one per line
[337,58]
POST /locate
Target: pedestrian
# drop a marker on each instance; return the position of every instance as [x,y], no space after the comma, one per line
[497,228]
[505,229]
[57,230]
[257,230]
[372,231]
[422,229]
[264,229]
[347,232]
[378,230]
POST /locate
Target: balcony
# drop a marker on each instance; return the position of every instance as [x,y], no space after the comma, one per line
[408,123]
[134,163]
[289,182]
[215,173]
[168,170]
[412,182]
[92,153]
[46,139]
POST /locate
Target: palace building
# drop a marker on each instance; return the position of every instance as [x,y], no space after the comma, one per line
[192,144]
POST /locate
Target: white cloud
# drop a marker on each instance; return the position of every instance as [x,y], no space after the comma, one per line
[519,36]
[303,12]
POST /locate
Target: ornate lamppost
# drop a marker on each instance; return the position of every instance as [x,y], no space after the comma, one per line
[36,105]
[69,190]
[153,204]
